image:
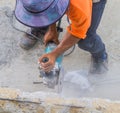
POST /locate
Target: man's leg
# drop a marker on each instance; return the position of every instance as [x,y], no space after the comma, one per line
[93,42]
[28,41]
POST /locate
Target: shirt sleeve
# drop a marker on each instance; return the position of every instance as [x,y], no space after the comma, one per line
[80,21]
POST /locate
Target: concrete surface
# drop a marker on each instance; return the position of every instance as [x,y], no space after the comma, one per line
[19,68]
[14,101]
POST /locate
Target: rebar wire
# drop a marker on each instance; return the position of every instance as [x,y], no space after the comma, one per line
[21,101]
[12,18]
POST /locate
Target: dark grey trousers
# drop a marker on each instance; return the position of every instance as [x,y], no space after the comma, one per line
[93,43]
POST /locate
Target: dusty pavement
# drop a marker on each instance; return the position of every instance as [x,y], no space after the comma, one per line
[19,68]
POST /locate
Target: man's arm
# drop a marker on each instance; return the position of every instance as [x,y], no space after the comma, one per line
[51,35]
[67,42]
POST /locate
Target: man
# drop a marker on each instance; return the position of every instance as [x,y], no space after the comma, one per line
[84,17]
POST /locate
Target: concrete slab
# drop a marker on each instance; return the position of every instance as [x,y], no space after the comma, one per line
[15,101]
[19,68]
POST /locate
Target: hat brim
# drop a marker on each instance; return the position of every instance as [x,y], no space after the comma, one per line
[45,18]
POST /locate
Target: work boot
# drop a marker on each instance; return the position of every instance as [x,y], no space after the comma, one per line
[28,41]
[99,65]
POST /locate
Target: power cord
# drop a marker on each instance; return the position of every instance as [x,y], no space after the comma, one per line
[59,29]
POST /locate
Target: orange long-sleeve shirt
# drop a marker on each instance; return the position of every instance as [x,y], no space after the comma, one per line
[79,12]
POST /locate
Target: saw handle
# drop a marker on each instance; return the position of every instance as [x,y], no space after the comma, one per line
[44,60]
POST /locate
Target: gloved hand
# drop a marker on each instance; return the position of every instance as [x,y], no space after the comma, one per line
[51,35]
[49,65]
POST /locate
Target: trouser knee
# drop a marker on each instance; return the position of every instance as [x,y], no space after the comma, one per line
[92,44]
